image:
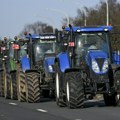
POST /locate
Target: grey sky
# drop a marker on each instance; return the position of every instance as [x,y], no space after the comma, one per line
[14,14]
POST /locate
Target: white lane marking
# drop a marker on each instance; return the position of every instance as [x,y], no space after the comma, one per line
[41,110]
[13,103]
[78,119]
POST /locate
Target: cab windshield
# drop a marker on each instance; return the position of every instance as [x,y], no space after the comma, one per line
[40,49]
[91,41]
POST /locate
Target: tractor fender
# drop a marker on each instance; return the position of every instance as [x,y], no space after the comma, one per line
[63,61]
[25,63]
[48,64]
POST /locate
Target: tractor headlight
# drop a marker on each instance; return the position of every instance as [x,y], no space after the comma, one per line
[50,68]
[95,66]
[105,66]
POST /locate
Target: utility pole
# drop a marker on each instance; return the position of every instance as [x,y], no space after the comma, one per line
[107,13]
[85,21]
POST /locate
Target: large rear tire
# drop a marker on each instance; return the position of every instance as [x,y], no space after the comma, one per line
[111,100]
[7,86]
[21,87]
[2,83]
[58,87]
[74,90]
[32,87]
[13,86]
[114,99]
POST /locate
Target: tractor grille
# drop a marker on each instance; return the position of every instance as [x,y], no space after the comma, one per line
[38,65]
[100,62]
[99,78]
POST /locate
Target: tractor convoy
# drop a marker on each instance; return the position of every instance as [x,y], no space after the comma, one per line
[28,68]
[72,65]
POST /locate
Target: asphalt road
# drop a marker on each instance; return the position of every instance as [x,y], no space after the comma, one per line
[48,110]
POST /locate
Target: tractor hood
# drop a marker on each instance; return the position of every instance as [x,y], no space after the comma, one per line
[48,64]
[97,61]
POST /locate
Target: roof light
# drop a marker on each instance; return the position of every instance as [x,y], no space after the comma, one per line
[105,29]
[65,44]
[78,30]
[47,37]
[3,59]
[52,37]
[5,56]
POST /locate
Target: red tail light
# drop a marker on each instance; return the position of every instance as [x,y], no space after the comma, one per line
[15,46]
[3,48]
[71,44]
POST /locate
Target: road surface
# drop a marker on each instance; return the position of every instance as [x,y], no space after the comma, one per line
[48,110]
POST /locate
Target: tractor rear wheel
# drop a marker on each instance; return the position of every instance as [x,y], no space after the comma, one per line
[21,87]
[117,82]
[32,87]
[114,99]
[7,86]
[2,83]
[13,86]
[58,87]
[111,100]
[74,90]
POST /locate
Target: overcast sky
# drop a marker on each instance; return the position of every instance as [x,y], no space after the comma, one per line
[15,14]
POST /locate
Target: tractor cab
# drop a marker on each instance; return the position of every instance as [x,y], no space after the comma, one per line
[44,47]
[88,43]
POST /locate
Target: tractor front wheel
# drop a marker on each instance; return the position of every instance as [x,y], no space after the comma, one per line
[2,83]
[7,86]
[32,87]
[74,90]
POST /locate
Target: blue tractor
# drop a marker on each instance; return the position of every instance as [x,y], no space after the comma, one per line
[35,72]
[86,67]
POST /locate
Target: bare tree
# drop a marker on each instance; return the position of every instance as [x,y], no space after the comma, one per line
[37,28]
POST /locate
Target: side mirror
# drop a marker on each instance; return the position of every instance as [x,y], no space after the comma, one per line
[58,35]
